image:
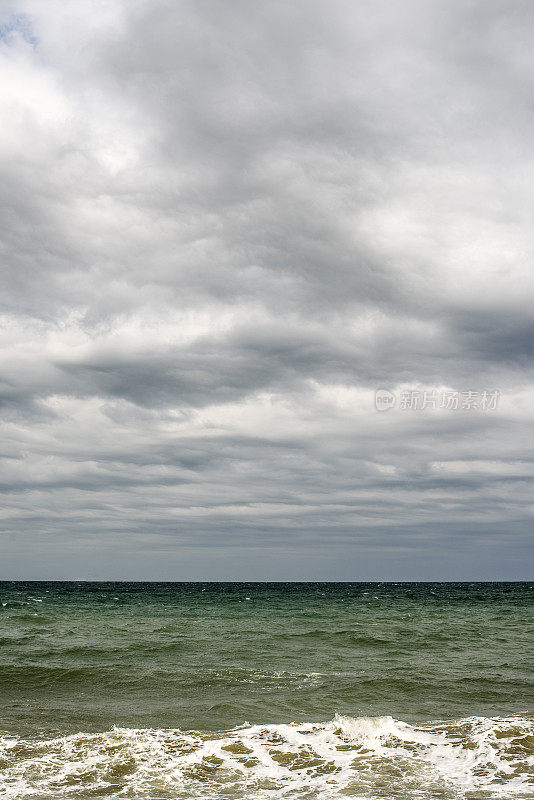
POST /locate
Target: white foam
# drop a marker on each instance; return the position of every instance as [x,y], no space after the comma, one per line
[347,756]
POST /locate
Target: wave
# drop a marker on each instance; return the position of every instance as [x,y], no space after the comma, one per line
[364,757]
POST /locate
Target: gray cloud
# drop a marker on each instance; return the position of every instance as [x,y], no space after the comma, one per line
[222,227]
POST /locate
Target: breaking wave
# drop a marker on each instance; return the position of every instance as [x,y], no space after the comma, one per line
[365,757]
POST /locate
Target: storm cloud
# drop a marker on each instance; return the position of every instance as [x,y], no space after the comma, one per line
[223,227]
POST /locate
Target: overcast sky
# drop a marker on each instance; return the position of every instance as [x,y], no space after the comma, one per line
[224,225]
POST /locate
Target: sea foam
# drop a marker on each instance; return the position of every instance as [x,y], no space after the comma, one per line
[364,757]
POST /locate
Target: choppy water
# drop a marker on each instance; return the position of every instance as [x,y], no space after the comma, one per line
[266,691]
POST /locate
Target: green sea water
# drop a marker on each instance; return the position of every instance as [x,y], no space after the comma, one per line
[237,690]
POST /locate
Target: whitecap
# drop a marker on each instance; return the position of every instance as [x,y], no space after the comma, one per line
[348,756]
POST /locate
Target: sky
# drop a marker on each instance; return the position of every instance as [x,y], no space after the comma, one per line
[223,227]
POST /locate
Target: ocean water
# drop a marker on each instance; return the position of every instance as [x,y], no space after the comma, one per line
[248,691]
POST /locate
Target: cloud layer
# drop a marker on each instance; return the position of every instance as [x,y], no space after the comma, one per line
[223,227]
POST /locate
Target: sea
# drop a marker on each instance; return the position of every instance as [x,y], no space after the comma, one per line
[249,691]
